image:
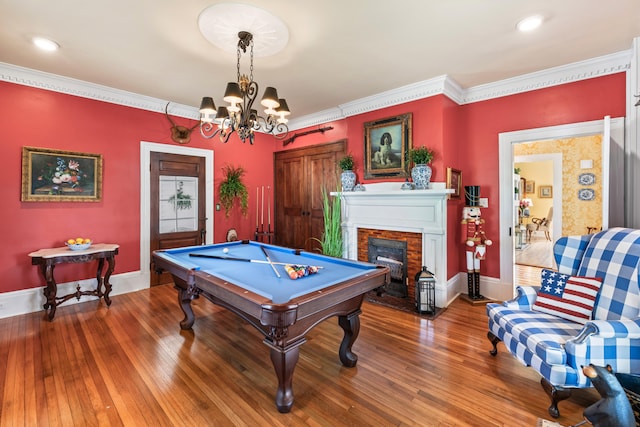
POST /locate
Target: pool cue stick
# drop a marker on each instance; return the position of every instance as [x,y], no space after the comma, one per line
[269,259]
[259,261]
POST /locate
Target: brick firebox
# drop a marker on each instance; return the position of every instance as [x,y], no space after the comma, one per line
[414,251]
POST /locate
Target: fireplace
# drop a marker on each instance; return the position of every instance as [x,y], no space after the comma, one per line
[419,217]
[392,254]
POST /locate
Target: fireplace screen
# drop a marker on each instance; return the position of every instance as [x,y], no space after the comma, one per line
[392,254]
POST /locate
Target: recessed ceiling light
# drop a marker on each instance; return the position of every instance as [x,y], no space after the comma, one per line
[45,44]
[530,23]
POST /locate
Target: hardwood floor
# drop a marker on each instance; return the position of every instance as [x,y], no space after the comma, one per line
[536,255]
[131,365]
[538,252]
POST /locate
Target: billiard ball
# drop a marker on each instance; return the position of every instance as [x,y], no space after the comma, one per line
[225,250]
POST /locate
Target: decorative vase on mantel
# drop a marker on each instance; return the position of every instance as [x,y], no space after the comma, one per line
[421,175]
[421,172]
[348,180]
[348,176]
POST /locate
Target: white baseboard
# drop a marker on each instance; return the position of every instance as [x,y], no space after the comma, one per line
[32,300]
[490,287]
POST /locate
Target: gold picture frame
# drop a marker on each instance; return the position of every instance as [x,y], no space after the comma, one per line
[454,181]
[60,176]
[545,191]
[530,187]
[386,147]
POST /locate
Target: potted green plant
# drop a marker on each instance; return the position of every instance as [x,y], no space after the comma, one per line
[232,188]
[421,155]
[331,241]
[348,176]
[421,172]
[346,163]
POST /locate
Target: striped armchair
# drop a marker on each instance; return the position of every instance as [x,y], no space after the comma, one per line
[557,347]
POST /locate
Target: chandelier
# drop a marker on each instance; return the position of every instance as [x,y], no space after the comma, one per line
[240,116]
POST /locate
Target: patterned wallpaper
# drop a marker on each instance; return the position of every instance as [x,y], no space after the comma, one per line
[581,188]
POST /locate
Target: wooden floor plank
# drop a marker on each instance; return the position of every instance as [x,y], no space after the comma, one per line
[130,364]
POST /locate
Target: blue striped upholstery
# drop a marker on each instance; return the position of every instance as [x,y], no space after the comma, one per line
[558,348]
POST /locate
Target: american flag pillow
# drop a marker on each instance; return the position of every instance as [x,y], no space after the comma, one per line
[570,298]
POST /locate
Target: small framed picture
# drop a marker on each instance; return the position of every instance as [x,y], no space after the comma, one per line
[530,187]
[545,191]
[454,181]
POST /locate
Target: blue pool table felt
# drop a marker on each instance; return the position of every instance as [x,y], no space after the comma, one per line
[260,278]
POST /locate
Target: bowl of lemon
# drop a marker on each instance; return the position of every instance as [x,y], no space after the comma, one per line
[78,244]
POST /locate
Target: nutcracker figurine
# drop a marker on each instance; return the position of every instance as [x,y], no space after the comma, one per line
[476,243]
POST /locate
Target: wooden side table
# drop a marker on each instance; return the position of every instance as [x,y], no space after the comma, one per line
[48,258]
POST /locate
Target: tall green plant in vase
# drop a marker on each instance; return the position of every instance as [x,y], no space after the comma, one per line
[232,188]
[331,241]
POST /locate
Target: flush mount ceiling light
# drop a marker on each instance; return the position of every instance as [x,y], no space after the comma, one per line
[45,44]
[530,23]
[236,27]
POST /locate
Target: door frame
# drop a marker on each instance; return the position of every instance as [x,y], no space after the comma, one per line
[145,196]
[613,173]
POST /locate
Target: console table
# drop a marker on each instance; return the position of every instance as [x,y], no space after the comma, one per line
[48,258]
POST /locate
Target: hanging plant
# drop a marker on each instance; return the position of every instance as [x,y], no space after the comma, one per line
[232,189]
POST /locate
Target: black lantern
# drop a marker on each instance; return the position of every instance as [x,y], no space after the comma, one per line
[425,291]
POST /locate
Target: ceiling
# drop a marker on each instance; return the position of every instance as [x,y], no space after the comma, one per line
[338,50]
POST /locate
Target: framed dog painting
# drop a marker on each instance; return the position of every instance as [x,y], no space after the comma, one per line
[386,146]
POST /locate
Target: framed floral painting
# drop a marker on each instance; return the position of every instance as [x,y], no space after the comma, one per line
[60,176]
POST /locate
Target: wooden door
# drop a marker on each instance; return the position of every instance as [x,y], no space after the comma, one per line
[178,201]
[300,176]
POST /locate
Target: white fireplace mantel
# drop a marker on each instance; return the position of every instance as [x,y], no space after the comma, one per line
[385,206]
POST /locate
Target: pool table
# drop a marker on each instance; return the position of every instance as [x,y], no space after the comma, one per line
[249,279]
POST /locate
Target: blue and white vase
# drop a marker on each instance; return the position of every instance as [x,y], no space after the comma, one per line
[348,179]
[421,175]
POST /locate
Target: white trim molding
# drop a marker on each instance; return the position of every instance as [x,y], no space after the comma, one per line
[596,67]
[146,148]
[32,300]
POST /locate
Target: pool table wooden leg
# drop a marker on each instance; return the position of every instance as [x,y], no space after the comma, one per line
[184,299]
[350,324]
[284,361]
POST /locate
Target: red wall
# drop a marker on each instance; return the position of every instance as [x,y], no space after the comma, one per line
[582,101]
[40,118]
[464,137]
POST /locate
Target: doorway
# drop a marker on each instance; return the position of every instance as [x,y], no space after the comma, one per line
[612,183]
[538,171]
[146,148]
[178,200]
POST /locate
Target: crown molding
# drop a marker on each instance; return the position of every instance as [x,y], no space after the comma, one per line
[412,92]
[53,82]
[596,67]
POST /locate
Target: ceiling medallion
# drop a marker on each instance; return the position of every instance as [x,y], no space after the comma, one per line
[263,34]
